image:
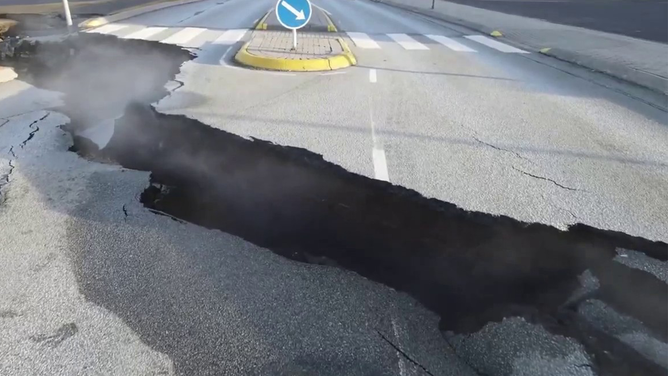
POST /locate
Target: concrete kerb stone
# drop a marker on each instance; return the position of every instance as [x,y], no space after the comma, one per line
[648,80]
[132,12]
[341,60]
[645,79]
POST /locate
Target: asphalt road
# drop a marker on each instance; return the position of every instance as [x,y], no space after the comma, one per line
[646,19]
[94,283]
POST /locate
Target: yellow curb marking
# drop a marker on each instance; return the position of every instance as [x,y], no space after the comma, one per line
[545,50]
[343,60]
[330,24]
[262,25]
[496,33]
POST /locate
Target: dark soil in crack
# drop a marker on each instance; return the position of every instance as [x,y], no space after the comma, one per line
[471,268]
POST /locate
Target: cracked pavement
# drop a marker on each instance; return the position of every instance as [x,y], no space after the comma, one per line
[95,283]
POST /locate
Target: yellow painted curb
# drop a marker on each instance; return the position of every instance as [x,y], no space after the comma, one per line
[496,33]
[342,60]
[545,50]
[330,25]
[262,25]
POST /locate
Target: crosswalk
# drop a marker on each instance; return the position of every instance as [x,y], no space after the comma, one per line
[198,37]
[423,42]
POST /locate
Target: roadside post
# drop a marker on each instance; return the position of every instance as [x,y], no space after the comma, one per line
[293,15]
[68,14]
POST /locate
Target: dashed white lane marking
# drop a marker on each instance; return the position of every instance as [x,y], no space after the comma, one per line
[377,152]
[450,43]
[362,40]
[231,36]
[145,33]
[380,164]
[495,45]
[407,42]
[372,75]
[401,361]
[106,29]
[183,36]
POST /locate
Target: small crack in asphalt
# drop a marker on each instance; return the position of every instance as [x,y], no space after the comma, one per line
[32,133]
[11,151]
[518,155]
[546,179]
[125,212]
[6,121]
[191,16]
[404,354]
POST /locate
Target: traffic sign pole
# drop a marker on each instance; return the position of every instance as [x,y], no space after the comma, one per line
[293,15]
[68,15]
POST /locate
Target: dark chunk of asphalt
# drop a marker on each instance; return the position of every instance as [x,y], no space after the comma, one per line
[469,267]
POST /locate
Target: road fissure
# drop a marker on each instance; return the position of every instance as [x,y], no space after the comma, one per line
[471,268]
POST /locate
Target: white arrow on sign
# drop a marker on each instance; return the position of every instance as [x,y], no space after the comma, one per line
[299,15]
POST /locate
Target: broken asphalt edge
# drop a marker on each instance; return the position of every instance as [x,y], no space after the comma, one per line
[645,79]
[131,12]
[342,60]
[7,74]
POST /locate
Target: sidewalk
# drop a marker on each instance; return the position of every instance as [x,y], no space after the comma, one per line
[638,61]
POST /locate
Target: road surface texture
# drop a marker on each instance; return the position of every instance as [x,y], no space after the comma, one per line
[113,260]
[638,19]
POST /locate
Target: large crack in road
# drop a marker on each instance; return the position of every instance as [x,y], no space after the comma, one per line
[471,268]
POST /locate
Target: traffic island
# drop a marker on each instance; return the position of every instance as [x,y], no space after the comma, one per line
[273,50]
[319,48]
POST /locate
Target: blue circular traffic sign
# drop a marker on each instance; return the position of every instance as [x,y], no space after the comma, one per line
[293,14]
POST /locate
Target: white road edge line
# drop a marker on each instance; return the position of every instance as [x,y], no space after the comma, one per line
[372,76]
[322,9]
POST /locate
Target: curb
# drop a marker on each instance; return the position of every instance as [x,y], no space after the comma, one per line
[131,12]
[342,60]
[7,74]
[330,24]
[262,25]
[645,79]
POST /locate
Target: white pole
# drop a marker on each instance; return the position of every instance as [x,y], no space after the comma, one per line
[294,38]
[68,15]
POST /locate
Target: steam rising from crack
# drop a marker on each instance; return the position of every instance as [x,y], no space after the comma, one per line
[471,268]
